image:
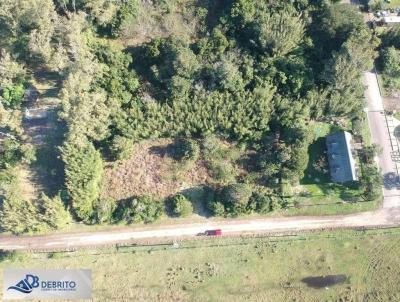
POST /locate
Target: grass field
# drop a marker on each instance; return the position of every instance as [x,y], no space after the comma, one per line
[392,4]
[241,269]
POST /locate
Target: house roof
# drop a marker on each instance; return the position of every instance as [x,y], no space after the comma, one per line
[391,19]
[341,161]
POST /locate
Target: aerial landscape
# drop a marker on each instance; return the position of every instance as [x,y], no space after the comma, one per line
[201,150]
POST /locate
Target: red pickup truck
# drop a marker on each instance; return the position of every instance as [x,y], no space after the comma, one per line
[216,232]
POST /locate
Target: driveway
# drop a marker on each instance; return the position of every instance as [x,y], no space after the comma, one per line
[387,215]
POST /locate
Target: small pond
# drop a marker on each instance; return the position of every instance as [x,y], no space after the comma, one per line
[324,281]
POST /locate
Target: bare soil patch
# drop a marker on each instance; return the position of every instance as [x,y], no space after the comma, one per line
[152,173]
[391,103]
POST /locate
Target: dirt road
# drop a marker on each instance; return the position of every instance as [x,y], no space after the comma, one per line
[387,215]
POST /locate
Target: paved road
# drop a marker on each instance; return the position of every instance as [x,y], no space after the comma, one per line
[387,215]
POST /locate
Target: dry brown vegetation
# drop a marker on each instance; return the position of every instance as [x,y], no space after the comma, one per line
[150,170]
[152,21]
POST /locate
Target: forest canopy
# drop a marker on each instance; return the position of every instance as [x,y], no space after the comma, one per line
[256,73]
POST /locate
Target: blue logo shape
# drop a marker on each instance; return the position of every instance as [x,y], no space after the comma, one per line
[26,285]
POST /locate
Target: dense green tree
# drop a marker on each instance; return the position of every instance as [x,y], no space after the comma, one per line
[83,174]
[371,182]
[141,209]
[52,212]
[186,150]
[344,80]
[391,37]
[216,208]
[279,33]
[273,30]
[391,68]
[181,206]
[263,203]
[235,198]
[121,147]
[20,216]
[120,83]
[10,152]
[104,209]
[335,24]
[12,96]
[11,71]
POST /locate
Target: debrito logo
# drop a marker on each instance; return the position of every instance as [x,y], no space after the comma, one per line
[26,285]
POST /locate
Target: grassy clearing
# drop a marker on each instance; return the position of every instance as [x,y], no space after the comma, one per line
[382,89]
[316,151]
[365,132]
[181,18]
[240,269]
[151,170]
[392,4]
[319,196]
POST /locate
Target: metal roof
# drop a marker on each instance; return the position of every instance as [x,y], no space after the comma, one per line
[342,165]
[391,19]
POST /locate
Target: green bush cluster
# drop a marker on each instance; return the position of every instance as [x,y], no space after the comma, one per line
[220,158]
[139,209]
[186,150]
[83,175]
[18,215]
[239,199]
[181,206]
[12,96]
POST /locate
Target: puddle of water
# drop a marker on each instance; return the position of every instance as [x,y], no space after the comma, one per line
[324,281]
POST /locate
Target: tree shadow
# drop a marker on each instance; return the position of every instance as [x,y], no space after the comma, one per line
[316,151]
[143,65]
[215,10]
[171,150]
[48,165]
[44,76]
[162,151]
[391,181]
[200,196]
[250,162]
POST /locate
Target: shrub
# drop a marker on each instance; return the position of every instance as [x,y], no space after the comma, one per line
[141,209]
[122,148]
[13,96]
[216,208]
[52,212]
[220,158]
[181,206]
[13,256]
[10,153]
[104,209]
[235,198]
[286,189]
[187,150]
[223,170]
[371,182]
[260,202]
[20,216]
[368,153]
[83,171]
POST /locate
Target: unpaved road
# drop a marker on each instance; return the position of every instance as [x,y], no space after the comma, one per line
[387,215]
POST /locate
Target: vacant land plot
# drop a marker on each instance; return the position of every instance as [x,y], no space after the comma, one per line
[151,170]
[365,266]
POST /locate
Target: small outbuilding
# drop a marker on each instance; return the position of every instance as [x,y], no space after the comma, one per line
[391,20]
[342,163]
